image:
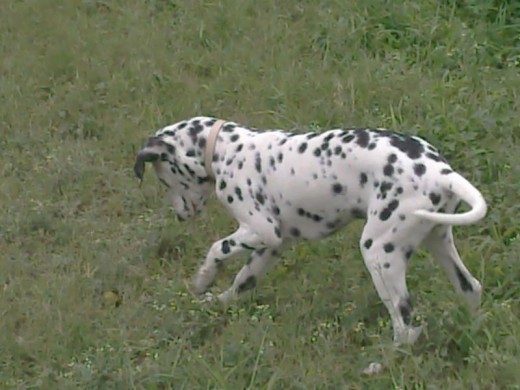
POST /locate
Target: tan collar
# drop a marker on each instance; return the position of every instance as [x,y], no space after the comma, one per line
[210,146]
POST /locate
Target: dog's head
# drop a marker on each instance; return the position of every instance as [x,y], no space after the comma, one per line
[179,164]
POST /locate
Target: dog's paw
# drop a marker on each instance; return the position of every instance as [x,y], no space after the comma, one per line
[474,298]
[373,369]
[202,281]
[208,297]
[227,296]
[408,336]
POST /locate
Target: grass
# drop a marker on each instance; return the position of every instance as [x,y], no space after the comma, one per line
[93,268]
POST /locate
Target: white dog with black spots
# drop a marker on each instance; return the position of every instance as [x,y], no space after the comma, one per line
[281,186]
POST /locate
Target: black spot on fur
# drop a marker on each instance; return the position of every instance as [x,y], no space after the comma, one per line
[465,285]
[238,191]
[392,158]
[276,210]
[435,198]
[385,187]
[389,247]
[337,150]
[328,137]
[348,138]
[222,185]
[363,178]
[317,152]
[295,232]
[190,171]
[405,308]
[230,199]
[386,213]
[408,254]
[272,162]
[277,232]
[419,169]
[261,251]
[260,198]
[258,163]
[393,204]
[411,146]
[337,188]
[388,170]
[432,156]
[368,243]
[362,137]
[280,157]
[303,147]
[228,128]
[225,247]
[372,146]
[446,171]
[195,130]
[234,138]
[249,284]
[164,182]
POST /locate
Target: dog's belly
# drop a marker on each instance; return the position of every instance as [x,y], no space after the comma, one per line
[308,228]
[313,208]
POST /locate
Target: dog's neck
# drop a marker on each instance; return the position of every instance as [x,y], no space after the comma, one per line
[231,140]
[191,139]
[210,146]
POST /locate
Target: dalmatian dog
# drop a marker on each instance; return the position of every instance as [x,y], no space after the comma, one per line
[281,186]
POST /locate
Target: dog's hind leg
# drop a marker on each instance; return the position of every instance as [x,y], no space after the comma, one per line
[440,244]
[386,252]
[260,262]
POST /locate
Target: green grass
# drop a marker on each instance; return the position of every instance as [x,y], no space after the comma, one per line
[82,83]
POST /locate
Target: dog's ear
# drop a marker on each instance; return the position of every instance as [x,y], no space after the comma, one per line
[151,151]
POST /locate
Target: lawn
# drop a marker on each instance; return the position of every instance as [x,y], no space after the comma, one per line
[94,269]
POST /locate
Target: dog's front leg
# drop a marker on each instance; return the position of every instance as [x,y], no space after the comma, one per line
[247,278]
[240,241]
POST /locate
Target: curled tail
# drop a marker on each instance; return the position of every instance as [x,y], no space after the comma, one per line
[465,191]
